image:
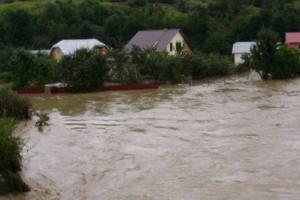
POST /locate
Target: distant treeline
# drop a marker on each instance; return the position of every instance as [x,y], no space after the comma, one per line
[210,27]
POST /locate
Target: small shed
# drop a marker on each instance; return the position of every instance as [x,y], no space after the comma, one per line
[240,49]
[292,39]
[69,47]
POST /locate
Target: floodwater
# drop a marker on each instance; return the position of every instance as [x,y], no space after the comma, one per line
[223,140]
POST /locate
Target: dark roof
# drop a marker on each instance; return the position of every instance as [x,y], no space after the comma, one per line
[157,39]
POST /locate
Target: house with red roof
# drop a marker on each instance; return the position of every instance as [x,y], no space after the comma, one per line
[292,39]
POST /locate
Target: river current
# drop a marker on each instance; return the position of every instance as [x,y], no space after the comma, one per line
[217,140]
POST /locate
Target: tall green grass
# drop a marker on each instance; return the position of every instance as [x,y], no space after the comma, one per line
[10,157]
[12,108]
[13,105]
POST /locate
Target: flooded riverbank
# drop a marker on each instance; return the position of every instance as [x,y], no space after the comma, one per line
[223,140]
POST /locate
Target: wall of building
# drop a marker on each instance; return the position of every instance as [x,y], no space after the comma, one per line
[178,38]
[294,45]
[238,58]
[103,50]
[57,54]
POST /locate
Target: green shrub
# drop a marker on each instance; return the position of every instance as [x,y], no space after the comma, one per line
[204,66]
[218,65]
[123,70]
[287,63]
[10,157]
[164,68]
[43,119]
[84,71]
[272,61]
[246,66]
[14,106]
[22,68]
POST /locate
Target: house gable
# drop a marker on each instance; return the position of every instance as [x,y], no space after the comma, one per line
[177,44]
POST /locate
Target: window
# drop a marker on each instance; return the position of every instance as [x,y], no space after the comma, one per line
[171,46]
[178,46]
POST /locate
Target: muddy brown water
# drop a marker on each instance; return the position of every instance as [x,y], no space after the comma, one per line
[223,140]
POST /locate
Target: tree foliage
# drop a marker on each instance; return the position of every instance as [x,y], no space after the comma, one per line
[84,71]
[271,60]
[210,28]
[23,68]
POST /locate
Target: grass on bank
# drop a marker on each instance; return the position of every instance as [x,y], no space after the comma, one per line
[12,108]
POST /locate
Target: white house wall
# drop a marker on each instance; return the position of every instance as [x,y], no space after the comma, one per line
[177,38]
[238,59]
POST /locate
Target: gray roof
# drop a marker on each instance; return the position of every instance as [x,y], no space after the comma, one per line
[157,39]
[69,47]
[242,47]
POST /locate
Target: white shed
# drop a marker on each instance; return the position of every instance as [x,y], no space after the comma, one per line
[241,48]
[69,47]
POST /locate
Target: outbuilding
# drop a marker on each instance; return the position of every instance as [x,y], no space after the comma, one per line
[292,39]
[69,47]
[241,49]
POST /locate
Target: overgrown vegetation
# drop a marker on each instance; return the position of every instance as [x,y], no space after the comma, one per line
[143,65]
[42,121]
[211,26]
[12,107]
[88,70]
[22,68]
[271,60]
[84,71]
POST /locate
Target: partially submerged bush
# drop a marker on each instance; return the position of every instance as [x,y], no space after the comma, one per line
[10,158]
[13,105]
[42,121]
[204,66]
[287,63]
[123,70]
[22,68]
[272,61]
[84,71]
[162,67]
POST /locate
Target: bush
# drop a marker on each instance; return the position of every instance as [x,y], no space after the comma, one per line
[164,68]
[84,71]
[159,66]
[263,54]
[287,63]
[22,68]
[123,70]
[10,158]
[14,106]
[204,66]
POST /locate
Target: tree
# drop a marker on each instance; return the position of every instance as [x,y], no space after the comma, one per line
[263,54]
[287,63]
[272,61]
[18,27]
[84,71]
